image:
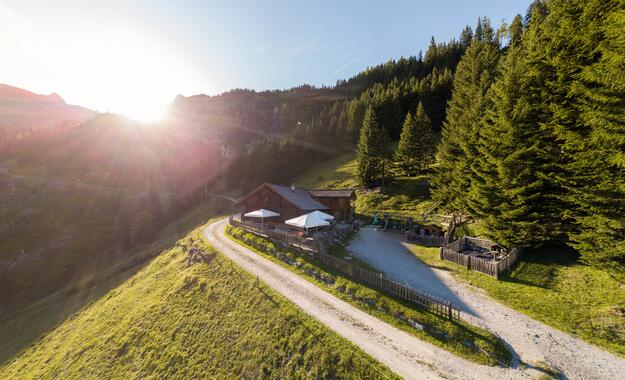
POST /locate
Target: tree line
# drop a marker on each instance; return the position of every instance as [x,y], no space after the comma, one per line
[533,143]
[332,124]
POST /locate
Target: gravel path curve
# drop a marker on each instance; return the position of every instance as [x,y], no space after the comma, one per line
[403,353]
[532,341]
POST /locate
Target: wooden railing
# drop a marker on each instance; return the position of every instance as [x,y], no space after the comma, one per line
[506,263]
[283,237]
[477,242]
[485,266]
[370,277]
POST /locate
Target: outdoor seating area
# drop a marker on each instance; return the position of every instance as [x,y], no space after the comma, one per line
[295,211]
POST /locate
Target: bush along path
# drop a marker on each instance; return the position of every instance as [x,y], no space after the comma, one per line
[402,352]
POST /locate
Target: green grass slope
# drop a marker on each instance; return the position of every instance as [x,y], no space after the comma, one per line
[32,318]
[407,195]
[209,320]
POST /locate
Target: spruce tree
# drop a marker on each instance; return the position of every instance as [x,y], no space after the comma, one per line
[513,189]
[456,155]
[416,143]
[586,50]
[407,150]
[427,141]
[516,31]
[372,149]
[355,112]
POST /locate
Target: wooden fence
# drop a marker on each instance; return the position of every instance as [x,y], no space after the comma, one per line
[455,257]
[453,252]
[428,241]
[370,277]
[506,263]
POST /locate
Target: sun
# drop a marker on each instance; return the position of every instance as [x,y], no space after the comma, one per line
[145,112]
[122,71]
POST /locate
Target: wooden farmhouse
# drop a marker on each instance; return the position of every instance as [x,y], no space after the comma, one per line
[291,202]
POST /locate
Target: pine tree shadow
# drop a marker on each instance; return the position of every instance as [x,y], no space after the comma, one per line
[538,267]
[385,252]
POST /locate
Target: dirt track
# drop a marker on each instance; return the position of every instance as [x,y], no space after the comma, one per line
[531,340]
[403,353]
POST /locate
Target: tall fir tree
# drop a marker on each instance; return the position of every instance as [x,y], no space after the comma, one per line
[416,143]
[475,74]
[513,189]
[372,149]
[516,31]
[586,50]
[355,113]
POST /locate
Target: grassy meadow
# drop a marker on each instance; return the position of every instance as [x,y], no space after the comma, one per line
[552,287]
[406,195]
[59,293]
[208,320]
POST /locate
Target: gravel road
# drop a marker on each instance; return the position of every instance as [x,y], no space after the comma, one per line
[403,353]
[532,341]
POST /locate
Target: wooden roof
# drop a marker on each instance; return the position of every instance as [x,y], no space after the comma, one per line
[338,193]
[299,198]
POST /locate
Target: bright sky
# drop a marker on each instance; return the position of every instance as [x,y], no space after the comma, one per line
[133,57]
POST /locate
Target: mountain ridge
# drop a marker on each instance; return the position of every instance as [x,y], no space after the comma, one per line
[21,108]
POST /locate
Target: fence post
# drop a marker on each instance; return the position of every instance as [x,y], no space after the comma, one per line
[468,264]
[440,252]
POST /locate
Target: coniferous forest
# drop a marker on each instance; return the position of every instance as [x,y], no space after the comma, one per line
[530,118]
[539,155]
[519,125]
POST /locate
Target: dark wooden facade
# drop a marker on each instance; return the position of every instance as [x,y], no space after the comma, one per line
[291,202]
[265,197]
[340,206]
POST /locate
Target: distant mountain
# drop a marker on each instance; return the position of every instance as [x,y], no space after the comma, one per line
[20,108]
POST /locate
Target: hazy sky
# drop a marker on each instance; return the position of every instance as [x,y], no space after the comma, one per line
[135,56]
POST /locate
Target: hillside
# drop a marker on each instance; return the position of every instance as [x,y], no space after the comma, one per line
[21,109]
[402,194]
[208,320]
[57,276]
[74,199]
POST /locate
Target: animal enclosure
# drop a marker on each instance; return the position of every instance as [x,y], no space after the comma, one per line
[481,255]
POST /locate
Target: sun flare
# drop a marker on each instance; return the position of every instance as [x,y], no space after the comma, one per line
[145,112]
[108,68]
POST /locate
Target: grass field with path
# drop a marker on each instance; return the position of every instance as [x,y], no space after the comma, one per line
[461,338]
[171,320]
